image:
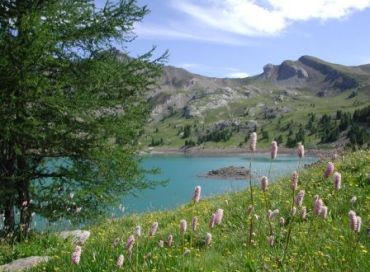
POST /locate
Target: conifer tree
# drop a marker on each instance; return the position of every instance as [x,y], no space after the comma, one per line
[71,108]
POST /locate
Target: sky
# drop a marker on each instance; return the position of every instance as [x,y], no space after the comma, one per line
[236,38]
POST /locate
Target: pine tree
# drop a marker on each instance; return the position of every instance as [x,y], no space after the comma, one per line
[71,108]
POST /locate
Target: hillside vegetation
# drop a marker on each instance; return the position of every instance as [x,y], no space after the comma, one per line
[192,110]
[322,242]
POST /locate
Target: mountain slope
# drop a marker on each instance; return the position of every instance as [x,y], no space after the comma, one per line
[290,90]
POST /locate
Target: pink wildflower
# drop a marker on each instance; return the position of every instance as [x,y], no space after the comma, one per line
[208,239]
[272,214]
[300,150]
[120,261]
[274,150]
[337,181]
[130,243]
[282,221]
[294,181]
[329,170]
[299,198]
[194,223]
[264,183]
[359,221]
[197,193]
[324,212]
[271,240]
[76,255]
[354,221]
[213,220]
[318,204]
[269,214]
[170,240]
[253,141]
[183,225]
[153,229]
[303,213]
[138,231]
[293,211]
[219,216]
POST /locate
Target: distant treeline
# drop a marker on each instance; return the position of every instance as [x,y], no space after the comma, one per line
[350,128]
[330,128]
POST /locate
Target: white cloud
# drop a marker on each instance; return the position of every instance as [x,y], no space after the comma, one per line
[269,17]
[188,65]
[157,31]
[237,75]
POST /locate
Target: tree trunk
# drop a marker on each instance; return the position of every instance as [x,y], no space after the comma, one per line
[25,217]
[9,222]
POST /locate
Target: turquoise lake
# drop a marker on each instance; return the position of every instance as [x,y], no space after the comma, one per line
[183,174]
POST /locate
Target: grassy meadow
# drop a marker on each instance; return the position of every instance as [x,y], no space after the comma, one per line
[315,243]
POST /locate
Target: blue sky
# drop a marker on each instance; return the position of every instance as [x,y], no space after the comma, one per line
[235,38]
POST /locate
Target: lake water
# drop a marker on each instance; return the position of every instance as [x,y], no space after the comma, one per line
[183,174]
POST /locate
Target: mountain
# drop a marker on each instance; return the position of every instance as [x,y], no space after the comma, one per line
[290,90]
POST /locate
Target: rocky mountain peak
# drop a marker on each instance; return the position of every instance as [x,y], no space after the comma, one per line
[189,95]
[309,71]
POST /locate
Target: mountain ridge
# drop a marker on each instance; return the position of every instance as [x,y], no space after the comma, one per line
[178,87]
[290,90]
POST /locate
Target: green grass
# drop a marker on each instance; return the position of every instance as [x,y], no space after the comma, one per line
[300,105]
[316,244]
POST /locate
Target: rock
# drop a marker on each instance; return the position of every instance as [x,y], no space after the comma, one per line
[337,78]
[191,112]
[289,69]
[268,70]
[302,73]
[322,93]
[230,172]
[24,263]
[78,236]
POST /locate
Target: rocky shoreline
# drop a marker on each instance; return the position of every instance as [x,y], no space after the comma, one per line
[321,153]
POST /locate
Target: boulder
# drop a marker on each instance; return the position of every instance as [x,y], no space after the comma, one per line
[24,263]
[78,236]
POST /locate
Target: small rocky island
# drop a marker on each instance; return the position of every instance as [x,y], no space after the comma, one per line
[230,172]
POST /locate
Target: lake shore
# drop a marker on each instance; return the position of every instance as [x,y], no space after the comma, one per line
[325,153]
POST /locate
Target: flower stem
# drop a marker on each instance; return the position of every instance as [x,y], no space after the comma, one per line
[291,222]
[137,255]
[267,208]
[289,230]
[252,201]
